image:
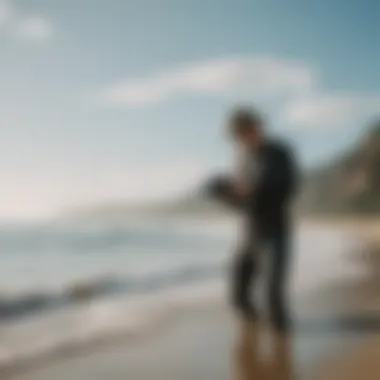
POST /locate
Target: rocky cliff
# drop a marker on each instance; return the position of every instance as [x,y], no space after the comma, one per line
[351,184]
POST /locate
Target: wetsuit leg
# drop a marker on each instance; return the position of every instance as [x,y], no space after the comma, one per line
[243,275]
[280,252]
[244,270]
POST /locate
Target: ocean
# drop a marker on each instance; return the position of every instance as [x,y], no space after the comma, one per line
[69,284]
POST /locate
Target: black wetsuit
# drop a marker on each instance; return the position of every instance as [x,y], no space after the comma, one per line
[268,224]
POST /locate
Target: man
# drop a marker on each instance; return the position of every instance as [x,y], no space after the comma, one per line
[263,195]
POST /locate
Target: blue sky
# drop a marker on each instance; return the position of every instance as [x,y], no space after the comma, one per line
[125,99]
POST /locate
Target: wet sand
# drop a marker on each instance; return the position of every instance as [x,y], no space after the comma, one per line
[214,345]
[336,336]
[362,362]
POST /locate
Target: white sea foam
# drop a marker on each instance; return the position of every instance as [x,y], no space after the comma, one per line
[63,331]
[163,287]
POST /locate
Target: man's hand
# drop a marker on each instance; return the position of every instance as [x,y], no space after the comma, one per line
[241,190]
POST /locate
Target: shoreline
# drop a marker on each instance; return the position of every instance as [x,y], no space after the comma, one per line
[365,227]
[214,327]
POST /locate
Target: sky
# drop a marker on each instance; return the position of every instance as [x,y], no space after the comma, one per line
[104,100]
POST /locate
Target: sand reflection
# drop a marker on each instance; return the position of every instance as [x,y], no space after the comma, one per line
[251,363]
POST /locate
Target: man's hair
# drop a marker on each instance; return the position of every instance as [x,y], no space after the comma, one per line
[244,120]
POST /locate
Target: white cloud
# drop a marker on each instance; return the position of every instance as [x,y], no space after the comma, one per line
[331,111]
[265,77]
[295,84]
[5,14]
[34,28]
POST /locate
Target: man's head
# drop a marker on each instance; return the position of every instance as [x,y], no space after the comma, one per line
[246,128]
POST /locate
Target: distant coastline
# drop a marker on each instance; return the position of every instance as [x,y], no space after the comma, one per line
[348,186]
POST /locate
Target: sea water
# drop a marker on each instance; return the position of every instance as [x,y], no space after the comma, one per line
[67,284]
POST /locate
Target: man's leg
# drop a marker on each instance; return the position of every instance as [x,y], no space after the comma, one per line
[278,303]
[244,271]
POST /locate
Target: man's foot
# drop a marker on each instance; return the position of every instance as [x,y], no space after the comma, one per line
[282,326]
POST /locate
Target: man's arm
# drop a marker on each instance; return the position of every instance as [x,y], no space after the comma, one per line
[223,190]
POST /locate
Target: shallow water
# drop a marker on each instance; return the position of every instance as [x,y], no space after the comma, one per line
[65,285]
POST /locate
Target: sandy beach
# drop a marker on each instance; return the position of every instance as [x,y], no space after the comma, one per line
[335,337]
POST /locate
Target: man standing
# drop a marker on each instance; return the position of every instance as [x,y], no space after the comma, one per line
[263,194]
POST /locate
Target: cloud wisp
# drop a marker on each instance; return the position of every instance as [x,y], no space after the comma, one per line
[266,77]
[304,101]
[326,111]
[26,27]
[5,14]
[34,29]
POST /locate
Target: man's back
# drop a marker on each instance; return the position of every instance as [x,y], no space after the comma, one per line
[275,181]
